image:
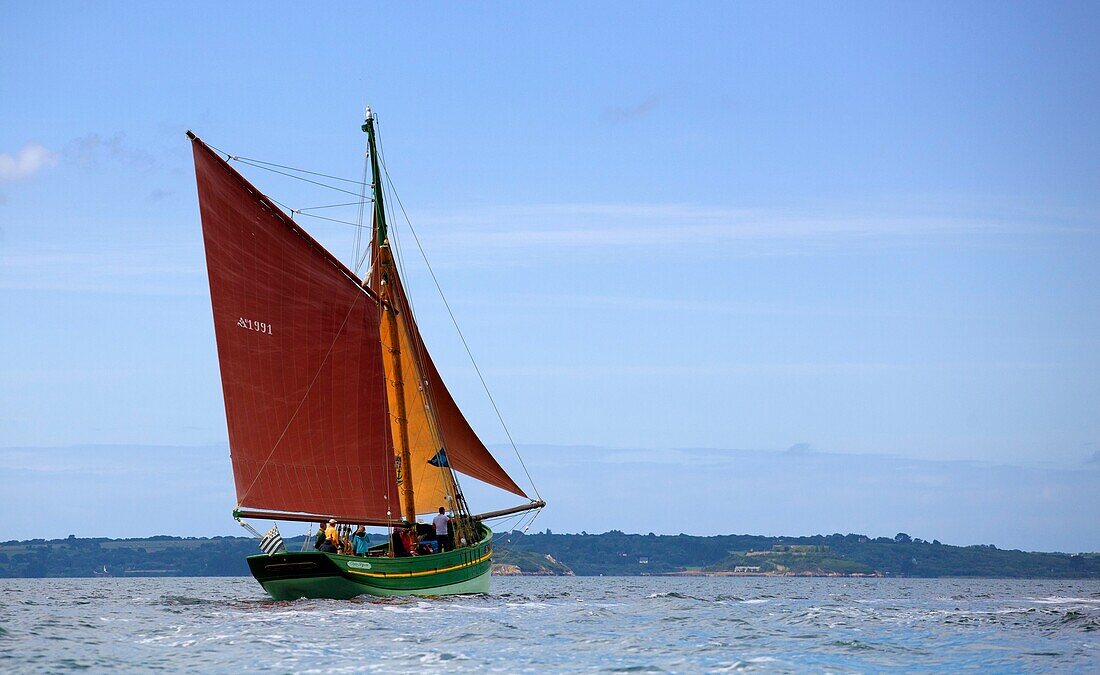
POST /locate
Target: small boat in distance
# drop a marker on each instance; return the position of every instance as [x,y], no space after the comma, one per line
[334,407]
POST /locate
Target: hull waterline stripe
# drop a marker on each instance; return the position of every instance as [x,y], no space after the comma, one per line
[425,572]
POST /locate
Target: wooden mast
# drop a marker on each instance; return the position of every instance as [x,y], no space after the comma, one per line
[384,278]
[385,269]
[405,479]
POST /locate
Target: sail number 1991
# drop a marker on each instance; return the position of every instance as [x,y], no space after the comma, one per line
[258,326]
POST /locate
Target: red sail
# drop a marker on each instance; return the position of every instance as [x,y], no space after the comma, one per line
[465,451]
[300,359]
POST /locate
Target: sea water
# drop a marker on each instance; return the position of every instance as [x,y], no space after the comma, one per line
[557,624]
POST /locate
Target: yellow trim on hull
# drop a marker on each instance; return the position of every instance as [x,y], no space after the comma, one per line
[424,572]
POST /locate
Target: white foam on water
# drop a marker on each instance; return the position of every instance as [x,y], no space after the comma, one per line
[706,625]
[1059,600]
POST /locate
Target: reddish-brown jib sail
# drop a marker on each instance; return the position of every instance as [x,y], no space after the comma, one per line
[300,359]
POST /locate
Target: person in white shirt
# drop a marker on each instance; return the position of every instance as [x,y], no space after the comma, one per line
[442,531]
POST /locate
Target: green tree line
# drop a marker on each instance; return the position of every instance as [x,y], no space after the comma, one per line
[610,553]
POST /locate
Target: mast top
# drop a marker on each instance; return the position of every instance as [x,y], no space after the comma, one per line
[379,233]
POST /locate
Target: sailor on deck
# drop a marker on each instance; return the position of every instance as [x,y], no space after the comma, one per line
[360,541]
[332,539]
[442,531]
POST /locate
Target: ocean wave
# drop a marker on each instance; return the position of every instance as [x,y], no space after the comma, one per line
[558,624]
[1060,600]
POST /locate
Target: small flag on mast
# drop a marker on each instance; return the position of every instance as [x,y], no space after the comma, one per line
[272,541]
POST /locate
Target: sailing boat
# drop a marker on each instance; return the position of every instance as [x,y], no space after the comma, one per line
[334,407]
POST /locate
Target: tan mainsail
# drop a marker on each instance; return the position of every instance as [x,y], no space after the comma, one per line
[463,450]
[432,481]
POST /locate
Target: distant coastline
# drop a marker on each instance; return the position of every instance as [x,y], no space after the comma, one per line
[609,554]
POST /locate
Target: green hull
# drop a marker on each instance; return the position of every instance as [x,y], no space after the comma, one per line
[312,574]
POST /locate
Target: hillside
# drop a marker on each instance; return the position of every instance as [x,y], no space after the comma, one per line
[611,553]
[509,561]
[633,554]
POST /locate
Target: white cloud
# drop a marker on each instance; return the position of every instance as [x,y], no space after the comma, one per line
[162,269]
[510,232]
[30,159]
[93,149]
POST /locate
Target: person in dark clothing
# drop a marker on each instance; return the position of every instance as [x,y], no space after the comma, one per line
[320,537]
[332,538]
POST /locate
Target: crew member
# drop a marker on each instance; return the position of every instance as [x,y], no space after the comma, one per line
[332,538]
[442,530]
[360,541]
[408,539]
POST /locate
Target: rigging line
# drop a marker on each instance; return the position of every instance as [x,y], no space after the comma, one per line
[316,375]
[313,215]
[459,504]
[331,220]
[455,322]
[447,473]
[508,521]
[259,165]
[357,263]
[290,175]
[515,526]
[291,168]
[523,528]
[507,543]
[537,513]
[510,543]
[503,527]
[421,347]
[330,206]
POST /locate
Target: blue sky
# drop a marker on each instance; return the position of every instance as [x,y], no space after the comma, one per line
[871,230]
